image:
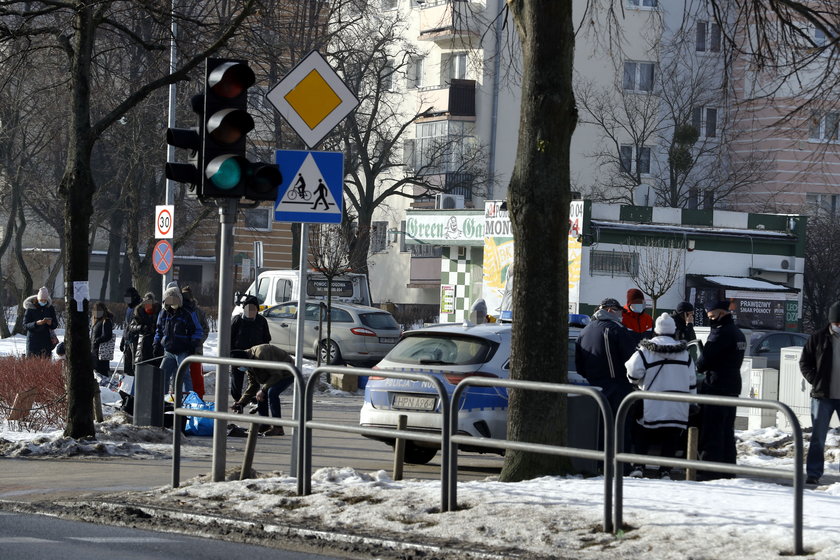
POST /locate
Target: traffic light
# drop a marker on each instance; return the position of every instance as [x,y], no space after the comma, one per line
[262,181]
[188,139]
[226,122]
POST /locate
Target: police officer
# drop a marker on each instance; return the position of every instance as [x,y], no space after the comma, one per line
[721,362]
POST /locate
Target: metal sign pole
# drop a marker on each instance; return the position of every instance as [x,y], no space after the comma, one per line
[227,219]
[304,251]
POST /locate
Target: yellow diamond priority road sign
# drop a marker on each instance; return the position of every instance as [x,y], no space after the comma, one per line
[312,98]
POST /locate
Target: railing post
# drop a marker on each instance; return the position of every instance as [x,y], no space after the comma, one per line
[399,448]
[691,451]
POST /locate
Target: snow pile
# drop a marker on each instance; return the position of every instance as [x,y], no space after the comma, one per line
[738,519]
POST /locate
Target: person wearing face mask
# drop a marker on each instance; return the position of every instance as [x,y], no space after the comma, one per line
[128,343]
[721,361]
[101,338]
[142,330]
[247,330]
[683,317]
[820,366]
[39,321]
[177,334]
[634,316]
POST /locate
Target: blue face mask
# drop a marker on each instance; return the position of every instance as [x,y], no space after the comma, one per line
[42,303]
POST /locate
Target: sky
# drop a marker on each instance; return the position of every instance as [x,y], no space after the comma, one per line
[726,519]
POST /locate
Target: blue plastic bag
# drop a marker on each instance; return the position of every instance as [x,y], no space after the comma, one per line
[196,425]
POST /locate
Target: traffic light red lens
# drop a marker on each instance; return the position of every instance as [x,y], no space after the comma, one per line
[228,88]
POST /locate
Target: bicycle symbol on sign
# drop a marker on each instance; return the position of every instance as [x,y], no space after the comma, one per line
[298,190]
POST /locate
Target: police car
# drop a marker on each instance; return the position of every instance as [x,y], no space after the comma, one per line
[450,353]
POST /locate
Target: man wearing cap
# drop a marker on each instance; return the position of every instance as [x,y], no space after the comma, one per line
[246,331]
[683,317]
[264,384]
[601,350]
[820,365]
[721,361]
[634,316]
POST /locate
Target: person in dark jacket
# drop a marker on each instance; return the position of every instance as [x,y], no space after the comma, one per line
[128,343]
[246,330]
[177,334]
[819,368]
[683,317]
[143,325]
[196,369]
[721,361]
[101,338]
[39,320]
[601,350]
[265,385]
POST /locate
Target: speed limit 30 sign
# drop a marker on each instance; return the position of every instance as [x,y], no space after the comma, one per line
[164,219]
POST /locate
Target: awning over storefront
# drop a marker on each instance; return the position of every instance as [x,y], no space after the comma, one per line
[756,304]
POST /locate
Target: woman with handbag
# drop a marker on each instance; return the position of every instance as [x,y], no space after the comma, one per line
[102,339]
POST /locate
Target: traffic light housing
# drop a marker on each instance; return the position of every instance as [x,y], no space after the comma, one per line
[226,123]
[188,139]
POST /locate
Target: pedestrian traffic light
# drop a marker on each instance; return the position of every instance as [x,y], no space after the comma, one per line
[262,181]
[226,122]
[188,139]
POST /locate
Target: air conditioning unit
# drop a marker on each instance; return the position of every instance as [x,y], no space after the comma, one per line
[449,201]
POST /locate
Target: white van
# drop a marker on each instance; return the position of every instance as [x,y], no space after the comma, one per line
[277,286]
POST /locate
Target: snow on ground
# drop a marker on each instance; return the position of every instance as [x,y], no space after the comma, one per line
[728,519]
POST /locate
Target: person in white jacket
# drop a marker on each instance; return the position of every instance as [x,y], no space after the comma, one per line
[662,364]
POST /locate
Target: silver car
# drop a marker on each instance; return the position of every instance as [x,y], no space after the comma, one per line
[359,334]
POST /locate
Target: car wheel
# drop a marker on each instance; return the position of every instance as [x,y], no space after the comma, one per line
[331,356]
[416,455]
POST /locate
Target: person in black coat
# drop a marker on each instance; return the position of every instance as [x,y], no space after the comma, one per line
[128,343]
[818,367]
[142,326]
[39,320]
[721,361]
[246,331]
[101,333]
[683,317]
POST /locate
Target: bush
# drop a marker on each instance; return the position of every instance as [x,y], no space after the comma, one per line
[43,379]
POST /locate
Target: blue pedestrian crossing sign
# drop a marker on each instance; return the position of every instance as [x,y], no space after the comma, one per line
[312,187]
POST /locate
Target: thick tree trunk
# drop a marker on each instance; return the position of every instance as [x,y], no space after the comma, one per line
[538,201]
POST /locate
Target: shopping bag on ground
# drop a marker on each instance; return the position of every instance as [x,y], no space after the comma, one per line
[196,425]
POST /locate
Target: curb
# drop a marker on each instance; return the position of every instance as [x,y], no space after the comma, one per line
[169,520]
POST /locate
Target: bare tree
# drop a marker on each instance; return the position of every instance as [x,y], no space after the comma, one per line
[658,265]
[329,255]
[821,281]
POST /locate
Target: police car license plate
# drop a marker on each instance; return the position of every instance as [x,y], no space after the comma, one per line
[414,402]
[387,339]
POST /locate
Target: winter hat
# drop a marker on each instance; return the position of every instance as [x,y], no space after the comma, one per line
[665,325]
[722,304]
[173,292]
[149,296]
[43,293]
[834,312]
[609,302]
[634,294]
[250,300]
[684,307]
[172,285]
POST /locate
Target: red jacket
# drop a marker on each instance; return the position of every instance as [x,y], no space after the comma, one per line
[638,322]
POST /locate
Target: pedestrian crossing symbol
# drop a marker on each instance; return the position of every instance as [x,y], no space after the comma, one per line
[311,191]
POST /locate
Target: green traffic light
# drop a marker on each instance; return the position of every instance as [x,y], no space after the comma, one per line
[225,172]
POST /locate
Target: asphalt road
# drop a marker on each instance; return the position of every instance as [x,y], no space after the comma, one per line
[29,537]
[49,478]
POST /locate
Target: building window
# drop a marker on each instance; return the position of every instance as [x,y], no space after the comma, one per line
[708,37]
[642,3]
[704,119]
[386,76]
[639,164]
[441,146]
[415,73]
[258,219]
[453,67]
[824,127]
[638,76]
[613,263]
[378,237]
[822,203]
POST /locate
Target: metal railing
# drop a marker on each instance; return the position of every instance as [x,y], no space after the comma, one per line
[307,425]
[224,417]
[796,475]
[594,393]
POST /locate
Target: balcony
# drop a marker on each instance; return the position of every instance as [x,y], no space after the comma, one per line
[451,20]
[457,100]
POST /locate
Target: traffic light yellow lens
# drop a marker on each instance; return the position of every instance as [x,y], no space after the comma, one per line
[228,175]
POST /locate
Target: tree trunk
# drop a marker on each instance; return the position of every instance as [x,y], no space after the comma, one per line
[538,202]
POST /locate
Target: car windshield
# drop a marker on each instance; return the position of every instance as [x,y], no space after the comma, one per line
[442,349]
[379,320]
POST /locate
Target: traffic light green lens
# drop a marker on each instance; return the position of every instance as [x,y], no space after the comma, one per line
[228,175]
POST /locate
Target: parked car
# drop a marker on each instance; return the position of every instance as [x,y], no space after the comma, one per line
[359,334]
[769,345]
[450,353]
